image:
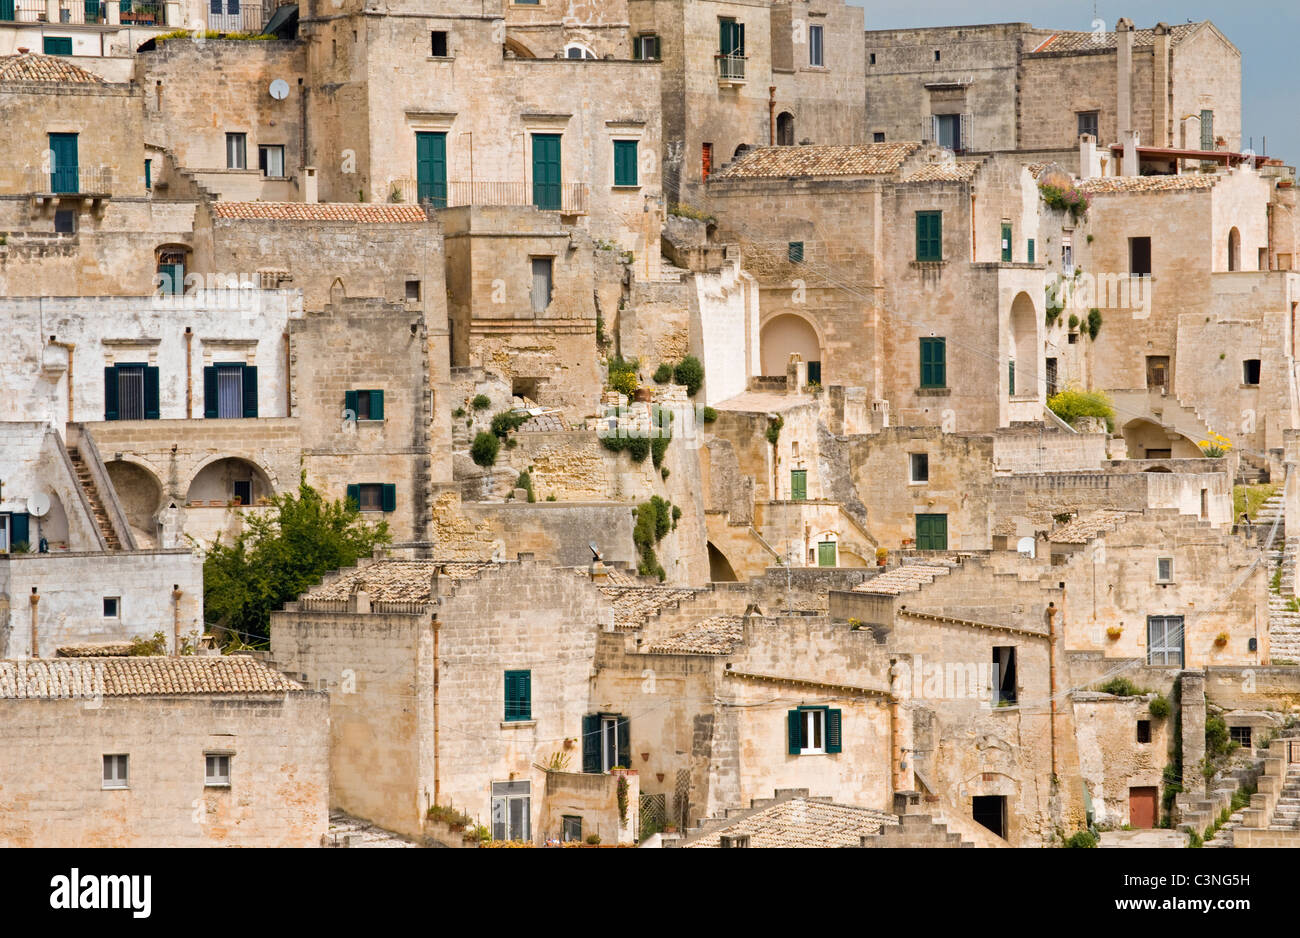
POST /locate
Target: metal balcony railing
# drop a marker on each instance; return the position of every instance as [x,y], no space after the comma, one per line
[83,12]
[731,67]
[24,11]
[72,181]
[235,17]
[142,12]
[569,198]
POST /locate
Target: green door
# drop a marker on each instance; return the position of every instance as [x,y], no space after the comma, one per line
[826,554]
[63,163]
[931,532]
[431,168]
[798,484]
[6,10]
[546,172]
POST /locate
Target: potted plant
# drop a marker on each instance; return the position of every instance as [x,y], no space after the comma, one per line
[1221,639]
[882,556]
[1114,632]
[1286,183]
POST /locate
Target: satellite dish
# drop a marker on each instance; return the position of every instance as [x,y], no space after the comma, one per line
[279,89]
[38,505]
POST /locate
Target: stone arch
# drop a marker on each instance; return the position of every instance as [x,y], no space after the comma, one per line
[141,494]
[338,293]
[741,151]
[577,49]
[786,333]
[214,480]
[518,49]
[1144,438]
[1024,345]
[1234,249]
[785,129]
[720,568]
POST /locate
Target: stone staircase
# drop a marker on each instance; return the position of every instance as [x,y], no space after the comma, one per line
[87,483]
[1283,619]
[346,831]
[1286,817]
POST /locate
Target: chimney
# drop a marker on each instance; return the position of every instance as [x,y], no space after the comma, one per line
[361,600]
[733,840]
[1160,87]
[906,802]
[1124,76]
[309,185]
[599,572]
[1089,161]
[36,647]
[1131,165]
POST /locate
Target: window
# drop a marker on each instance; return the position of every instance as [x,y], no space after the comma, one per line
[571,830]
[229,391]
[65,221]
[1006,243]
[236,152]
[1029,251]
[1088,121]
[1004,675]
[947,131]
[65,172]
[431,168]
[931,532]
[216,770]
[364,405]
[242,491]
[1157,371]
[438,43]
[1240,735]
[171,273]
[373,496]
[131,392]
[815,46]
[937,56]
[1139,255]
[115,772]
[57,45]
[1067,252]
[731,37]
[813,730]
[826,554]
[605,742]
[878,137]
[929,236]
[413,290]
[270,160]
[1250,371]
[511,808]
[794,251]
[625,163]
[519,696]
[785,129]
[919,467]
[576,50]
[1165,641]
[112,607]
[1051,376]
[645,48]
[1205,504]
[1164,569]
[934,363]
[1207,130]
[706,160]
[1011,379]
[1144,731]
[873,58]
[547,172]
[541,294]
[148,174]
[798,484]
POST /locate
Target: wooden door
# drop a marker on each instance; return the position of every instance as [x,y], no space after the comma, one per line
[1142,804]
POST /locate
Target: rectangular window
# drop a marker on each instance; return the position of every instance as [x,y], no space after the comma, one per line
[1004,675]
[794,250]
[542,285]
[115,772]
[1006,243]
[929,236]
[1207,130]
[1165,641]
[1250,371]
[511,810]
[1205,504]
[878,137]
[216,770]
[931,532]
[826,554]
[571,830]
[270,160]
[65,221]
[1050,368]
[1144,731]
[148,174]
[731,37]
[373,496]
[242,491]
[547,172]
[815,46]
[56,45]
[1067,252]
[947,131]
[112,607]
[919,467]
[364,405]
[229,391]
[431,169]
[605,742]
[625,163]
[798,484]
[1029,251]
[131,392]
[813,730]
[438,43]
[413,290]
[1164,569]
[706,160]
[1011,379]
[934,363]
[236,151]
[1240,735]
[1139,255]
[519,696]
[1088,121]
[872,58]
[1157,371]
[65,172]
[645,48]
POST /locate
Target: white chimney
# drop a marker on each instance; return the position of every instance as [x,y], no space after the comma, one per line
[1089,159]
[309,185]
[1131,165]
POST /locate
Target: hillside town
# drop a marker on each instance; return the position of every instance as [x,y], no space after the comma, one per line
[641,423]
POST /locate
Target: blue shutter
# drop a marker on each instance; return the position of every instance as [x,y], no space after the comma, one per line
[794,731]
[390,497]
[110,393]
[354,495]
[591,743]
[152,410]
[833,740]
[1031,250]
[518,695]
[18,532]
[250,390]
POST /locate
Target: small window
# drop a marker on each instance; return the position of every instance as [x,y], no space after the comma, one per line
[1006,243]
[1205,504]
[571,832]
[794,250]
[625,163]
[815,46]
[1004,675]
[1144,731]
[1067,252]
[929,236]
[1207,130]
[878,137]
[216,770]
[438,43]
[1139,256]
[706,160]
[1164,569]
[873,58]
[1072,338]
[919,464]
[413,290]
[148,174]
[937,56]
[1165,641]
[576,50]
[813,731]
[1029,251]
[1157,371]
[364,405]
[934,363]
[798,484]
[1240,735]
[65,221]
[55,45]
[543,268]
[270,160]
[112,607]
[241,491]
[645,48]
[512,806]
[373,496]
[1250,371]
[236,151]
[115,771]
[519,696]
[1088,123]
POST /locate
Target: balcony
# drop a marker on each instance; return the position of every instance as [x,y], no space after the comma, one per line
[731,69]
[87,12]
[570,198]
[142,12]
[237,18]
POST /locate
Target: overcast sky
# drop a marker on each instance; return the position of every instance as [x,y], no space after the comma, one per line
[1264,30]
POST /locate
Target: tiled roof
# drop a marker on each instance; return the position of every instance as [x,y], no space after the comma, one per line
[94,650]
[952,171]
[143,676]
[634,604]
[1082,530]
[716,635]
[372,213]
[1087,41]
[872,159]
[905,579]
[1105,185]
[397,580]
[51,68]
[802,822]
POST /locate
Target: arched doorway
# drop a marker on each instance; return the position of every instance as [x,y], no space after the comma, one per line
[1146,439]
[1234,249]
[785,129]
[229,481]
[720,569]
[784,335]
[140,494]
[1022,352]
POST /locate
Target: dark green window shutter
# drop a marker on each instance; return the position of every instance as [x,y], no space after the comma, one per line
[1006,244]
[431,168]
[148,174]
[547,172]
[110,393]
[354,495]
[591,743]
[210,392]
[376,405]
[18,532]
[798,484]
[657,53]
[794,250]
[64,173]
[740,39]
[929,236]
[794,731]
[152,411]
[390,497]
[1031,250]
[833,742]
[57,45]
[350,404]
[625,169]
[1011,377]
[931,532]
[250,390]
[519,698]
[933,363]
[624,743]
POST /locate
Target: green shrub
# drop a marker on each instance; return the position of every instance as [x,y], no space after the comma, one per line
[774,430]
[1122,687]
[638,447]
[1094,323]
[1070,200]
[1071,404]
[708,415]
[146,647]
[664,473]
[663,374]
[622,374]
[1160,707]
[1217,740]
[1082,839]
[481,402]
[484,449]
[682,210]
[653,521]
[593,839]
[506,421]
[458,412]
[525,482]
[689,372]
[1074,321]
[658,447]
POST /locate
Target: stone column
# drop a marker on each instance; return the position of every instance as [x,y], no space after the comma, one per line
[1160,87]
[1193,728]
[1124,76]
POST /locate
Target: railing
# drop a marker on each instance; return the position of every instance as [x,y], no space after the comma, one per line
[83,12]
[142,12]
[569,198]
[24,11]
[74,181]
[731,67]
[246,18]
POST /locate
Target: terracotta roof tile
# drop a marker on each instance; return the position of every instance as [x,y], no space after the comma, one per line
[634,604]
[357,212]
[1107,185]
[1082,530]
[717,635]
[45,68]
[803,822]
[396,580]
[905,579]
[1087,41]
[955,171]
[873,159]
[143,676]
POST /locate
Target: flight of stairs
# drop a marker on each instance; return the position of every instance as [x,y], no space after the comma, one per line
[1287,815]
[1283,610]
[87,483]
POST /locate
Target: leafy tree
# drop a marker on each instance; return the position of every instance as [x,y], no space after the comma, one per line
[279,555]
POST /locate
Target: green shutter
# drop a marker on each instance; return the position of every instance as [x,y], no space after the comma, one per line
[798,484]
[350,405]
[390,497]
[7,10]
[826,554]
[376,405]
[148,174]
[18,530]
[1006,244]
[591,743]
[57,45]
[934,363]
[152,410]
[624,742]
[546,172]
[794,731]
[625,168]
[110,393]
[64,173]
[431,168]
[931,532]
[250,390]
[929,236]
[794,251]
[1011,377]
[519,705]
[1207,130]
[1030,250]
[833,740]
[354,495]
[210,392]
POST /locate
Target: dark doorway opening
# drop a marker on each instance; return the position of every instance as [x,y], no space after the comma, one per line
[991,811]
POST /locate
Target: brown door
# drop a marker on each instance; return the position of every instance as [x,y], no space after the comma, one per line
[706,153]
[1142,807]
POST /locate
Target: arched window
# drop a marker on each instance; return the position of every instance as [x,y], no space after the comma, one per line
[785,129]
[1234,249]
[578,50]
[170,272]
